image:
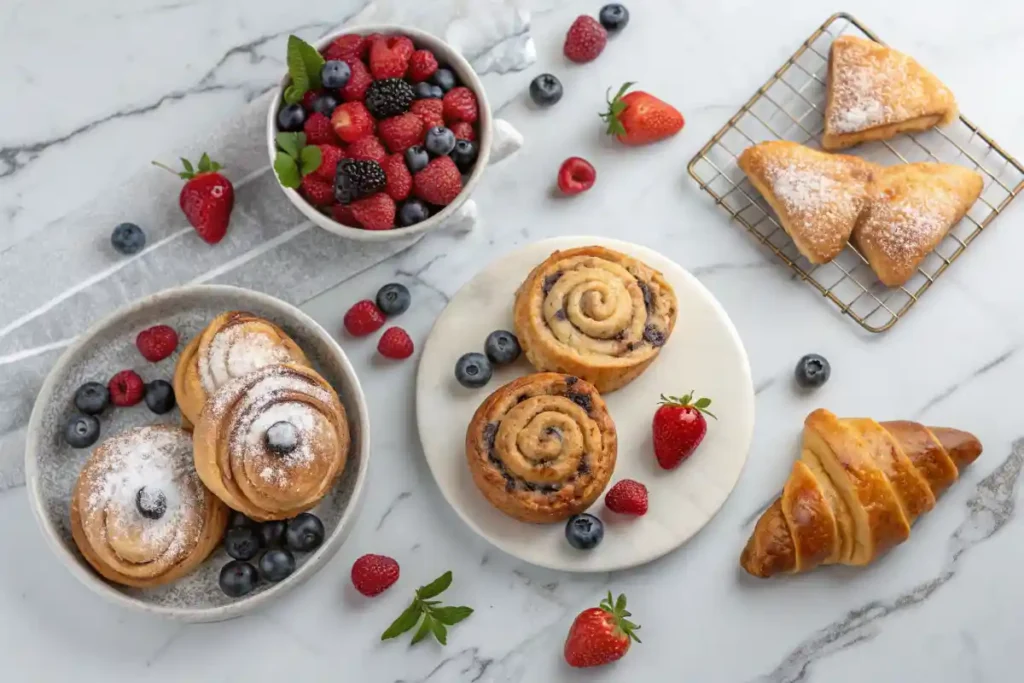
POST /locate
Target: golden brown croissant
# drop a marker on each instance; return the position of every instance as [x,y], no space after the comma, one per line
[855,491]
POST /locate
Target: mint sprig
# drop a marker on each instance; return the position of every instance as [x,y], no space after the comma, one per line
[433,618]
[295,159]
[304,65]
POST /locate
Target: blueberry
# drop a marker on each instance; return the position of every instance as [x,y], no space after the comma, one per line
[128,238]
[444,78]
[393,299]
[82,431]
[545,90]
[291,118]
[272,533]
[276,565]
[335,74]
[92,398]
[416,158]
[239,519]
[614,17]
[473,370]
[238,578]
[282,437]
[425,91]
[437,92]
[812,371]
[150,502]
[413,211]
[502,347]
[326,103]
[584,531]
[160,396]
[440,141]
[305,533]
[464,154]
[242,543]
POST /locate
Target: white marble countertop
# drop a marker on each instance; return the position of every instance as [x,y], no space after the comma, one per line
[95,90]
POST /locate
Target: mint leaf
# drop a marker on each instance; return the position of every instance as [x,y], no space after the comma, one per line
[309,159]
[291,143]
[312,60]
[451,615]
[296,71]
[424,630]
[435,587]
[440,632]
[287,170]
[405,621]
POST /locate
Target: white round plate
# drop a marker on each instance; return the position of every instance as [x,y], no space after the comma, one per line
[704,353]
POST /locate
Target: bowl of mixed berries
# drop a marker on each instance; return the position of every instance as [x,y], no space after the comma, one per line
[378,132]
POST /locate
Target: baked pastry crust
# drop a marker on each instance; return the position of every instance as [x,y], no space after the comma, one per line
[594,313]
[816,196]
[232,455]
[876,93]
[233,344]
[542,448]
[115,538]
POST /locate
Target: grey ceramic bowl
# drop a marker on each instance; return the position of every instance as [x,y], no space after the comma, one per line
[52,467]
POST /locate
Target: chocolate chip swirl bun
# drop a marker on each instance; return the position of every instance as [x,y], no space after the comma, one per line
[139,513]
[542,448]
[596,314]
[270,444]
[233,344]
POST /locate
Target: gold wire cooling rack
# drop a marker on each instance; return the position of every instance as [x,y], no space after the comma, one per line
[790,106]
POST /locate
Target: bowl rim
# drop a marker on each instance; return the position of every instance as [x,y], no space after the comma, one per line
[455,59]
[314,563]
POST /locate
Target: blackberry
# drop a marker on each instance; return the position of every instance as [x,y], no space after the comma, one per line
[357,179]
[389,97]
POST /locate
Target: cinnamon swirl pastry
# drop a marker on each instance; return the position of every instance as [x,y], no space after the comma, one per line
[594,313]
[542,448]
[233,344]
[271,443]
[139,513]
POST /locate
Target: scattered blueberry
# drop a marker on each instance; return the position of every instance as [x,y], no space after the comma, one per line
[546,90]
[305,533]
[812,371]
[416,158]
[238,578]
[239,519]
[272,533]
[444,78]
[160,396]
[325,103]
[335,74]
[82,431]
[242,542]
[502,347]
[440,141]
[473,370]
[393,299]
[282,437]
[424,91]
[464,154]
[151,503]
[614,17]
[413,211]
[276,565]
[584,531]
[128,238]
[92,398]
[438,92]
[291,118]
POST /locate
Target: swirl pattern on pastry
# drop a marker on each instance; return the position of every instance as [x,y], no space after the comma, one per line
[139,513]
[542,448]
[270,444]
[233,344]
[594,313]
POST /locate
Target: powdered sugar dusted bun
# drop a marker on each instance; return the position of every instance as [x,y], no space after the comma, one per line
[271,443]
[139,512]
[232,345]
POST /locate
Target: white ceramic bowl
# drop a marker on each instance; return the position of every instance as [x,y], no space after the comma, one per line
[446,56]
[52,467]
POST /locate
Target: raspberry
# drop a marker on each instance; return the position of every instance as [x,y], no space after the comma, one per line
[374,574]
[157,343]
[362,319]
[460,105]
[395,343]
[342,214]
[330,155]
[358,82]
[627,497]
[352,121]
[401,132]
[439,183]
[399,179]
[387,61]
[126,388]
[422,65]
[429,111]
[319,131]
[344,48]
[368,149]
[376,212]
[308,97]
[463,131]
[317,191]
[585,39]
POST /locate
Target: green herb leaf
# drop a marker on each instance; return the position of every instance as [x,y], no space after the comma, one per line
[435,587]
[451,615]
[424,629]
[296,71]
[291,143]
[313,62]
[287,170]
[440,632]
[309,159]
[405,621]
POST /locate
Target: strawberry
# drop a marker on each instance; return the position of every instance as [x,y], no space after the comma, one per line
[637,118]
[374,574]
[349,46]
[358,82]
[678,428]
[439,183]
[343,214]
[157,342]
[363,318]
[126,388]
[399,183]
[387,61]
[376,212]
[429,111]
[368,148]
[460,105]
[600,635]
[576,175]
[585,39]
[627,497]
[319,130]
[462,130]
[330,156]
[422,65]
[395,344]
[403,45]
[316,190]
[352,121]
[401,132]
[206,199]
[307,99]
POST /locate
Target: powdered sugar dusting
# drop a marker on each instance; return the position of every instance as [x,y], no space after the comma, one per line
[905,228]
[236,351]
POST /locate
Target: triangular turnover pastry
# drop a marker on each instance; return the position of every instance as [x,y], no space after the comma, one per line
[817,196]
[911,209]
[875,93]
